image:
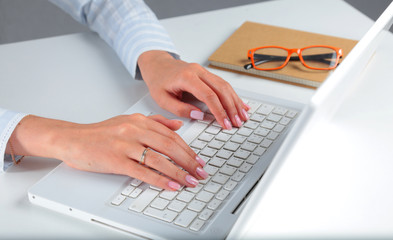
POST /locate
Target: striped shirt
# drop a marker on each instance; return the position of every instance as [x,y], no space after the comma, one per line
[128,26]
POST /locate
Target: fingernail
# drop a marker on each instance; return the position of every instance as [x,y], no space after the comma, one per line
[195,114]
[201,172]
[227,124]
[191,180]
[200,161]
[174,185]
[247,106]
[245,114]
[238,121]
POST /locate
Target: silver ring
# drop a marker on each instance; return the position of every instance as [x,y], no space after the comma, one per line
[142,160]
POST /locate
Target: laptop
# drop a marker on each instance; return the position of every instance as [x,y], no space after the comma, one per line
[212,208]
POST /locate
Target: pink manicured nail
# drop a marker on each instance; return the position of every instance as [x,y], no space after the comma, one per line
[174,185]
[245,114]
[227,124]
[195,114]
[238,121]
[191,180]
[200,161]
[247,106]
[201,172]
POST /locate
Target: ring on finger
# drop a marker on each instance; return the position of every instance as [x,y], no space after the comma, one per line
[142,160]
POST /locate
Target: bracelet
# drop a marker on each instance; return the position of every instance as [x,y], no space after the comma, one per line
[13,155]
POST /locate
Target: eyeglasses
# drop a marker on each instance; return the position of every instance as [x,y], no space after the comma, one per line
[317,57]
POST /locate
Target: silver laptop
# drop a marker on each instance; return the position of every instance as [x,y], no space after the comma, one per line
[236,162]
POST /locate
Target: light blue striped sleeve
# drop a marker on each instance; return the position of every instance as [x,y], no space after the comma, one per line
[128,26]
[8,121]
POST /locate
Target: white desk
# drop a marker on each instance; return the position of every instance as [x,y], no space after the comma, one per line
[78,78]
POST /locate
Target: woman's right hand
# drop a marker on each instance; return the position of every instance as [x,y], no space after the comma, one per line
[115,146]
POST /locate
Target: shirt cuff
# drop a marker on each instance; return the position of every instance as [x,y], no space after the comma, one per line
[9,120]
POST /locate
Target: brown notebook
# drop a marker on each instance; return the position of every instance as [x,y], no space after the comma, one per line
[232,54]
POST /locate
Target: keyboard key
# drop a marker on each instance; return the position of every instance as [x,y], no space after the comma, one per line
[254,106]
[204,196]
[244,131]
[257,117]
[224,154]
[230,185]
[238,138]
[255,139]
[209,152]
[195,129]
[185,196]
[216,161]
[136,192]
[272,135]
[243,154]
[238,176]
[213,130]
[127,190]
[222,194]
[285,121]
[177,206]
[143,200]
[169,195]
[291,113]
[207,137]
[261,131]
[211,170]
[251,124]
[259,151]
[266,143]
[253,159]
[196,205]
[220,178]
[165,215]
[159,203]
[265,109]
[245,167]
[228,170]
[268,124]
[185,218]
[278,128]
[198,144]
[214,204]
[205,214]
[274,117]
[231,146]
[280,110]
[249,146]
[195,189]
[119,199]
[212,187]
[197,225]
[223,137]
[136,182]
[231,132]
[234,161]
[216,144]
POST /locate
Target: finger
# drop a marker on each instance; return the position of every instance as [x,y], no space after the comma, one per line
[180,108]
[205,94]
[164,165]
[172,124]
[163,130]
[169,147]
[136,170]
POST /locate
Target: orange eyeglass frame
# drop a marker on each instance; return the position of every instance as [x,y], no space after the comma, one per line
[298,51]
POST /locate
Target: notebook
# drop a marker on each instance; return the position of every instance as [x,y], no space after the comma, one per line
[232,54]
[98,198]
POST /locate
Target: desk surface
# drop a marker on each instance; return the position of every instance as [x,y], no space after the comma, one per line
[79,78]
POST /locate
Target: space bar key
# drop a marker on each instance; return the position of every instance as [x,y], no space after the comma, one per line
[143,200]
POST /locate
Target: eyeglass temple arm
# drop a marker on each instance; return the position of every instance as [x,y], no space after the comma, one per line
[266,58]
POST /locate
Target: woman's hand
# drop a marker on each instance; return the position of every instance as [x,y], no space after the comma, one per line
[114,146]
[167,78]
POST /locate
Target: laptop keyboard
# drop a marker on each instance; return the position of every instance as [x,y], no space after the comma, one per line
[229,156]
